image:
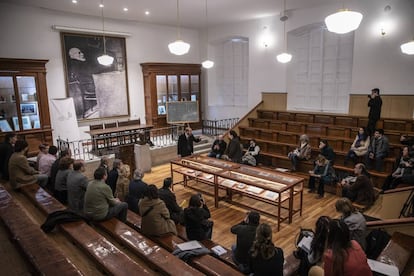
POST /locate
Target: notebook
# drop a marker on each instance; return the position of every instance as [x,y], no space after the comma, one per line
[190,245]
[305,243]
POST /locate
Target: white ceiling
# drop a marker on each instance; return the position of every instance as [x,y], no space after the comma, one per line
[192,12]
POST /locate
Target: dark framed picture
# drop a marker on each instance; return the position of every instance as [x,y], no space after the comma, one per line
[98,91]
[28,109]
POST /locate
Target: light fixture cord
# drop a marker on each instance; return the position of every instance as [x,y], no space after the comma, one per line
[178,21]
[284,25]
[207,29]
[103,27]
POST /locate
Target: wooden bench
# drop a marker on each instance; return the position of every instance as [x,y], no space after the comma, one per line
[226,257]
[205,263]
[45,257]
[157,258]
[112,260]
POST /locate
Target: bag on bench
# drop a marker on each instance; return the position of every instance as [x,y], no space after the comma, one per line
[376,242]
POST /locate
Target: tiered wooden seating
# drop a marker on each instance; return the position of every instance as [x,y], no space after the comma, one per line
[45,257]
[278,132]
[158,258]
[205,263]
[109,257]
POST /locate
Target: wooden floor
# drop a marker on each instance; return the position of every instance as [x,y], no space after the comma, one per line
[224,217]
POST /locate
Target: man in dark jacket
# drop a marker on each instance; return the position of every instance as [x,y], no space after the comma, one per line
[6,150]
[185,143]
[374,105]
[196,216]
[246,232]
[218,148]
[377,150]
[166,195]
[113,175]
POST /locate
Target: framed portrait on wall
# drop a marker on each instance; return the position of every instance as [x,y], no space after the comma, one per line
[98,91]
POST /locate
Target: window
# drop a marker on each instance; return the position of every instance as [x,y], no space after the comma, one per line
[320,74]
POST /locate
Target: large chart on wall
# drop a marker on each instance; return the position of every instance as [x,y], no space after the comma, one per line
[182,112]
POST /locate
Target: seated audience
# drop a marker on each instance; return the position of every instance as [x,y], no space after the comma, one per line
[218,148]
[317,247]
[113,175]
[20,172]
[303,152]
[359,147]
[6,151]
[265,258]
[353,219]
[408,141]
[250,157]
[234,150]
[167,195]
[246,232]
[326,151]
[99,203]
[61,185]
[324,172]
[77,183]
[55,168]
[46,161]
[405,168]
[196,216]
[156,219]
[377,151]
[122,184]
[344,256]
[43,150]
[136,190]
[361,191]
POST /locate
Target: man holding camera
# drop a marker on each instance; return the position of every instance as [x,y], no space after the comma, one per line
[374,105]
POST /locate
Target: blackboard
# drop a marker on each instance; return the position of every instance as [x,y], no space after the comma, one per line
[182,112]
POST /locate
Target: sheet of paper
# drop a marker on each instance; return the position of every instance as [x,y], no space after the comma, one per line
[218,250]
[382,268]
[190,245]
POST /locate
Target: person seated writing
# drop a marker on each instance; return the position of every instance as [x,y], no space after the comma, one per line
[322,171]
[250,157]
[302,152]
[404,168]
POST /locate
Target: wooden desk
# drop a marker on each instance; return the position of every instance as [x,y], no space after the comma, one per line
[122,135]
[271,187]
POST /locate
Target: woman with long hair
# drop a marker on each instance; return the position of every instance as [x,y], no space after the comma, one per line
[324,172]
[317,246]
[265,258]
[196,216]
[359,147]
[344,256]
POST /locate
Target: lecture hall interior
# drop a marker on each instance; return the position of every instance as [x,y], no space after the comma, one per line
[124,79]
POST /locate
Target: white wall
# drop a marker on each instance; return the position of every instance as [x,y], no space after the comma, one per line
[27,33]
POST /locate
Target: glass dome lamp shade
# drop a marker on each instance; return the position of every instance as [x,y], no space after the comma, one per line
[408,48]
[179,47]
[284,57]
[105,60]
[207,64]
[343,21]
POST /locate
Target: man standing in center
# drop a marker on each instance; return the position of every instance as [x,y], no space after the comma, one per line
[374,105]
[185,143]
[100,204]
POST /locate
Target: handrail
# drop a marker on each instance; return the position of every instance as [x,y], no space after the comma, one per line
[398,190]
[389,222]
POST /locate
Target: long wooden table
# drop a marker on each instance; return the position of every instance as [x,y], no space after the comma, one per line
[271,187]
[122,135]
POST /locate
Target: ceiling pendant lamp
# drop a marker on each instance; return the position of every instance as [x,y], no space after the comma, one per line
[178,47]
[343,21]
[284,57]
[104,59]
[207,63]
[408,48]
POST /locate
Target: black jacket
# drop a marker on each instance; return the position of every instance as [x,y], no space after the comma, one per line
[234,150]
[328,153]
[136,192]
[194,218]
[185,145]
[112,179]
[271,267]
[6,150]
[245,237]
[222,147]
[171,202]
[60,217]
[375,108]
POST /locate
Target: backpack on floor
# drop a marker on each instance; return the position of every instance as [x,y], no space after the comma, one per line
[376,242]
